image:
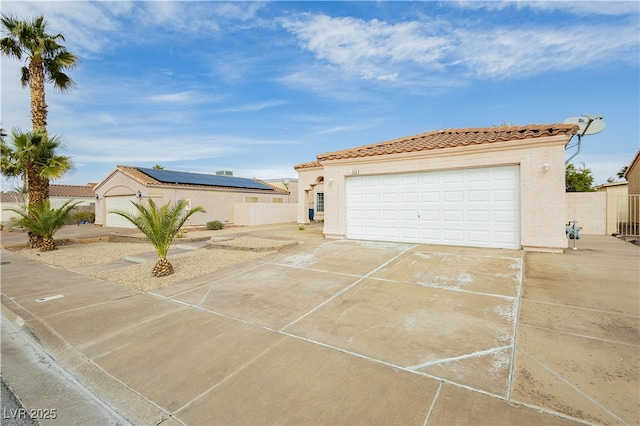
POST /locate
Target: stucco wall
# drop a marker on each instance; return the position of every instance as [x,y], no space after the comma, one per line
[252,214]
[613,192]
[589,209]
[55,202]
[117,184]
[542,193]
[633,178]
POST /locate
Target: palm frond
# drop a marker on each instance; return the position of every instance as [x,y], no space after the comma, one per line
[42,218]
[159,224]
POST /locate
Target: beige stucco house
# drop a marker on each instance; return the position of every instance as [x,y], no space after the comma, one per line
[58,195]
[632,174]
[217,194]
[615,193]
[630,224]
[497,187]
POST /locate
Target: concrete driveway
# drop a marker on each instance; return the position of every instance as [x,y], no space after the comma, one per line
[348,332]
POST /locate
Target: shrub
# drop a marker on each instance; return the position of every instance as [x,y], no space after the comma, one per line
[80,217]
[214,225]
[301,228]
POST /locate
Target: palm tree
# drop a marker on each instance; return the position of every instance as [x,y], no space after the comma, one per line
[622,171]
[42,220]
[34,156]
[160,225]
[45,59]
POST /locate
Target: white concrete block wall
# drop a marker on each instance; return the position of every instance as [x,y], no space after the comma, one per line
[590,210]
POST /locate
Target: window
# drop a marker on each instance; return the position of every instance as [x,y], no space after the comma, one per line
[250,199]
[277,200]
[320,202]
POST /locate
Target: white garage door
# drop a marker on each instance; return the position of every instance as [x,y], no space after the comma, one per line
[119,203]
[477,207]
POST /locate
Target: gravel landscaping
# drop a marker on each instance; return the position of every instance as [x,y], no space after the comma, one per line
[186,265]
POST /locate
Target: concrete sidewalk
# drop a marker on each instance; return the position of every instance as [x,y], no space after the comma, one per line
[345,332]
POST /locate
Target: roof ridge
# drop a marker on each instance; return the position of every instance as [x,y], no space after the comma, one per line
[448,138]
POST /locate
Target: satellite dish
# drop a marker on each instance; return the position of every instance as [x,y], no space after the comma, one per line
[589,124]
[611,179]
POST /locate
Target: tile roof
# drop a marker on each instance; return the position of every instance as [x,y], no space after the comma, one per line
[55,190]
[71,191]
[449,138]
[309,165]
[13,197]
[147,180]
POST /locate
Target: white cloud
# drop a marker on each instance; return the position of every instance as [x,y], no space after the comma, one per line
[405,54]
[513,53]
[185,97]
[370,49]
[579,8]
[254,107]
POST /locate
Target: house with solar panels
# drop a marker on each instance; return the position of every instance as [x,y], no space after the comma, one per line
[226,198]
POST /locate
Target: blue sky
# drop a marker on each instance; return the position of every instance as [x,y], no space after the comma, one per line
[257,87]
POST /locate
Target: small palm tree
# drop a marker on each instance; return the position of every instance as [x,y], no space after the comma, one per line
[160,225]
[34,155]
[42,220]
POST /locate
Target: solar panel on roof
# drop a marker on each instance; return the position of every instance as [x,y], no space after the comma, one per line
[168,176]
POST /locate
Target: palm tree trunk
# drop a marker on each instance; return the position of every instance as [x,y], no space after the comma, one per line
[38,102]
[162,268]
[38,191]
[47,244]
[38,186]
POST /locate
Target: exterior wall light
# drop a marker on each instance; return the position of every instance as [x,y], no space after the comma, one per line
[546,167]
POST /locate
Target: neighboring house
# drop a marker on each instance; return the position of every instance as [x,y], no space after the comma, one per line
[58,195]
[497,187]
[629,221]
[632,175]
[616,193]
[288,184]
[216,193]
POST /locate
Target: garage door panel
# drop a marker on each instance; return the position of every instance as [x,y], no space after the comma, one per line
[478,176]
[390,198]
[504,195]
[456,216]
[478,217]
[477,207]
[478,237]
[453,236]
[506,217]
[478,196]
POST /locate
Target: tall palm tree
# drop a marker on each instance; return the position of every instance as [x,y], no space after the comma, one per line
[44,220]
[45,59]
[160,225]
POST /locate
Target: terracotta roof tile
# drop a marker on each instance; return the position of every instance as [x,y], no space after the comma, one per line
[71,191]
[13,197]
[309,165]
[450,138]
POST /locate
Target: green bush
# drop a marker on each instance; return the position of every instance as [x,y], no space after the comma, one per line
[80,217]
[214,225]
